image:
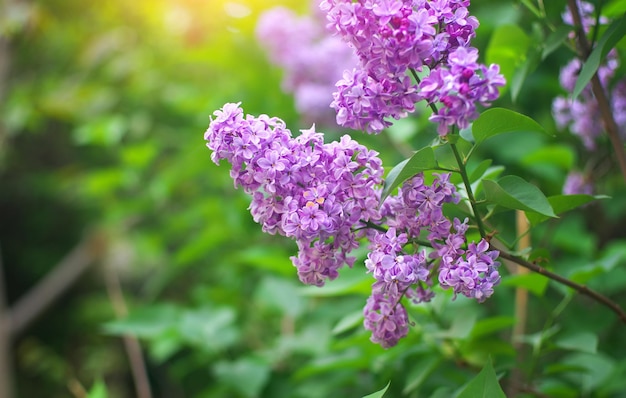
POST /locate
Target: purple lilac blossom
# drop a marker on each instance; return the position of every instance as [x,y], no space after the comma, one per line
[581,114]
[458,87]
[314,192]
[401,268]
[587,15]
[311,58]
[395,37]
[577,183]
[326,195]
[386,318]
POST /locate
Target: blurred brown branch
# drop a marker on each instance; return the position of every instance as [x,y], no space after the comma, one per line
[15,319]
[598,91]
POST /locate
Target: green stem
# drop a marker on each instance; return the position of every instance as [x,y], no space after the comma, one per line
[462,171]
[547,325]
[369,224]
[468,188]
[418,80]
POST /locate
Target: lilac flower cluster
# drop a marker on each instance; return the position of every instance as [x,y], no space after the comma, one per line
[414,213]
[395,37]
[459,87]
[580,115]
[577,183]
[315,193]
[312,59]
[587,16]
[326,195]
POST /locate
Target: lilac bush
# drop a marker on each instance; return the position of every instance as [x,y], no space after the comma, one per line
[581,115]
[312,59]
[326,196]
[395,38]
[314,192]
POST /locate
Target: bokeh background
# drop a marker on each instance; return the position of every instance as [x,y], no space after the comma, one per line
[110,205]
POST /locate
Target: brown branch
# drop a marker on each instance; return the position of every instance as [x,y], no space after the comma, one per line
[63,275]
[6,363]
[582,289]
[131,344]
[6,359]
[598,91]
[521,307]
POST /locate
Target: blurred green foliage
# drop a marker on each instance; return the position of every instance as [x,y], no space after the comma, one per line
[101,129]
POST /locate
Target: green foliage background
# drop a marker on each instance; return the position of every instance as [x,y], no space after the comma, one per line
[102,116]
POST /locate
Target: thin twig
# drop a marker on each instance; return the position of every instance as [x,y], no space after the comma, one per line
[582,289]
[468,189]
[131,344]
[6,363]
[521,307]
[598,92]
[55,283]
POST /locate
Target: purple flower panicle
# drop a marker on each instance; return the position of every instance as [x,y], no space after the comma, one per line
[577,183]
[314,192]
[402,266]
[396,38]
[312,59]
[580,115]
[325,196]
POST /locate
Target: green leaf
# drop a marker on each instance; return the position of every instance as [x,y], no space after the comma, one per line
[462,325]
[561,204]
[348,322]
[580,341]
[534,283]
[350,281]
[598,369]
[562,368]
[507,48]
[519,77]
[479,170]
[614,8]
[490,173]
[424,159]
[513,192]
[327,363]
[380,393]
[614,254]
[99,390]
[532,8]
[488,326]
[148,322]
[403,130]
[555,40]
[609,39]
[247,375]
[107,131]
[496,121]
[420,372]
[484,385]
[281,294]
[559,155]
[266,258]
[210,329]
